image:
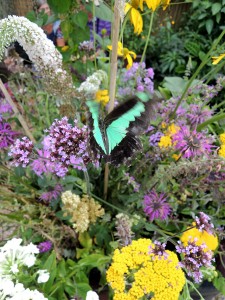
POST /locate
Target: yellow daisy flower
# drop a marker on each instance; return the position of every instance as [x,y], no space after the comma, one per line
[125,53]
[135,16]
[217,59]
[154,4]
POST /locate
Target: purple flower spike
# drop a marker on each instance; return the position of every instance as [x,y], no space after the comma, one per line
[155,206]
[45,246]
[52,193]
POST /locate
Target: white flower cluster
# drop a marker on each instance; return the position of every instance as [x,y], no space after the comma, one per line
[11,291]
[41,51]
[13,257]
[92,84]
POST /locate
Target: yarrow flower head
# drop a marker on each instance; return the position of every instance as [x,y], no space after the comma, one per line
[7,135]
[155,206]
[127,273]
[192,143]
[194,257]
[21,151]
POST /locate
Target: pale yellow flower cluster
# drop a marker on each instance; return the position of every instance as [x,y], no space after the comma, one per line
[82,210]
[221,151]
[135,273]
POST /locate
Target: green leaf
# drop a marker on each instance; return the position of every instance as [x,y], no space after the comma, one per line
[209,25]
[193,48]
[82,289]
[218,17]
[60,6]
[216,7]
[219,283]
[80,19]
[102,11]
[94,260]
[50,266]
[85,240]
[61,269]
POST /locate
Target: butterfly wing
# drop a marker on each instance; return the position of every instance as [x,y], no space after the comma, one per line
[96,141]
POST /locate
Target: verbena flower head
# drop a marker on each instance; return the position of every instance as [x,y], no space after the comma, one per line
[67,145]
[192,143]
[132,273]
[194,257]
[7,135]
[44,246]
[155,206]
[203,222]
[158,250]
[21,151]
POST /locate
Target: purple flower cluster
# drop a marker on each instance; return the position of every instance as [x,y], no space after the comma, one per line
[139,79]
[203,222]
[192,143]
[52,194]
[21,151]
[86,46]
[67,145]
[45,246]
[194,257]
[155,206]
[7,135]
[158,250]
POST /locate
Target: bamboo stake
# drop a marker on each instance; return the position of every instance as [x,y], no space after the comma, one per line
[113,74]
[16,111]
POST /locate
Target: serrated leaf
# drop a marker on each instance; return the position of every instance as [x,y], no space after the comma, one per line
[216,7]
[209,25]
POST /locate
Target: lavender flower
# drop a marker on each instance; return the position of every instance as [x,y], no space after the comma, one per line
[192,144]
[203,222]
[21,151]
[158,250]
[6,135]
[52,194]
[194,257]
[155,206]
[45,246]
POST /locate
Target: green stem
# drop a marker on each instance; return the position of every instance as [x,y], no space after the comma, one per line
[193,286]
[47,110]
[123,26]
[204,62]
[213,119]
[87,179]
[148,37]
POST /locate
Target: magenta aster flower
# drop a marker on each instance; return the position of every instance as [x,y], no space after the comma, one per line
[155,206]
[45,246]
[192,144]
[7,136]
[21,151]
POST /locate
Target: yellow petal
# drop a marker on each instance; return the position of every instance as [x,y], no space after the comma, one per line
[217,59]
[129,61]
[136,20]
[127,8]
[133,53]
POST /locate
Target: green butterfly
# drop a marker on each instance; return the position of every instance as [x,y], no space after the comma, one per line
[116,137]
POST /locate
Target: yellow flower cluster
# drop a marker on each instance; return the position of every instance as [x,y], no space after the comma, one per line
[217,59]
[82,210]
[210,240]
[221,151]
[102,96]
[135,273]
[166,139]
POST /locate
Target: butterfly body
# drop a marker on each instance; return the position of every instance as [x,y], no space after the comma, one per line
[116,137]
